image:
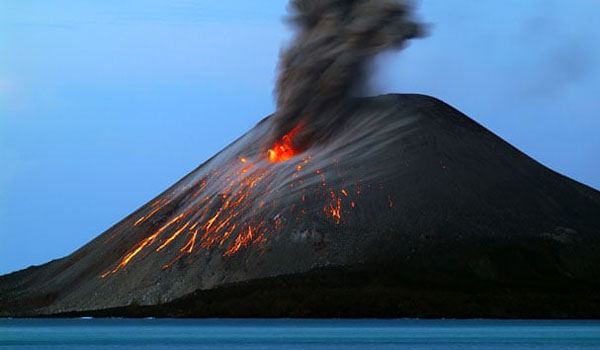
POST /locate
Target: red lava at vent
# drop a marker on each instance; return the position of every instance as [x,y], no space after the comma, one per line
[283,149]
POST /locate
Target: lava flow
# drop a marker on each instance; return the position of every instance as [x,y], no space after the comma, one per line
[210,211]
[221,209]
[231,208]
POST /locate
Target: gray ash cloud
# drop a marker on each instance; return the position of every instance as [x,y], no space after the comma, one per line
[326,64]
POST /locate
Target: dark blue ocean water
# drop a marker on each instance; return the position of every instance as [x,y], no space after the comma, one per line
[296,334]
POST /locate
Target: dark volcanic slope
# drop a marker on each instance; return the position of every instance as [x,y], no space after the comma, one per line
[408,199]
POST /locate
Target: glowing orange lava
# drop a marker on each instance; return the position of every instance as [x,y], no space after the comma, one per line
[283,149]
[222,209]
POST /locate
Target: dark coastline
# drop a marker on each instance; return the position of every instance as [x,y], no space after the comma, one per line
[363,293]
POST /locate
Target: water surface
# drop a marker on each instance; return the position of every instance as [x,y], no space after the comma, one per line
[296,334]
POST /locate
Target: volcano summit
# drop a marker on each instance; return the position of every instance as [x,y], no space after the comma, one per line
[340,206]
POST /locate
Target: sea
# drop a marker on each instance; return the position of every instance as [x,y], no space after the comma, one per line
[305,334]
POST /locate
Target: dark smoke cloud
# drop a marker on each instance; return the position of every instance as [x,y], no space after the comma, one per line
[326,64]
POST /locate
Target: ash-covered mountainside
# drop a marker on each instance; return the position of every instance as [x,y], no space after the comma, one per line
[406,208]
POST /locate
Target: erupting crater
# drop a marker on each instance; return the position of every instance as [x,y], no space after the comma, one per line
[283,149]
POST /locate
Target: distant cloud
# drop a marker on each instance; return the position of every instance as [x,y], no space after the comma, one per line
[562,55]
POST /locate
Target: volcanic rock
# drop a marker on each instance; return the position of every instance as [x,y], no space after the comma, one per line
[408,209]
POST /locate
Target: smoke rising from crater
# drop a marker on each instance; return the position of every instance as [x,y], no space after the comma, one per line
[326,63]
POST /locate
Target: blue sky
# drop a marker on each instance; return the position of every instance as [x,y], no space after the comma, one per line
[105,104]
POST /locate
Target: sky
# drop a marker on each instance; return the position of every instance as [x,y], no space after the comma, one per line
[105,104]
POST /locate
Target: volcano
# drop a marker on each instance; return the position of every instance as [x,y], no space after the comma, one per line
[408,208]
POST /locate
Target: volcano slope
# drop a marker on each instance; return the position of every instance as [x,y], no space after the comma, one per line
[407,209]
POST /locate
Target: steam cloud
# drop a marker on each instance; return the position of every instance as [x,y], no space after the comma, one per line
[326,63]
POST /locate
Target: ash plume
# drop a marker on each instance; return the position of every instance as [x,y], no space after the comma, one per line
[326,63]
